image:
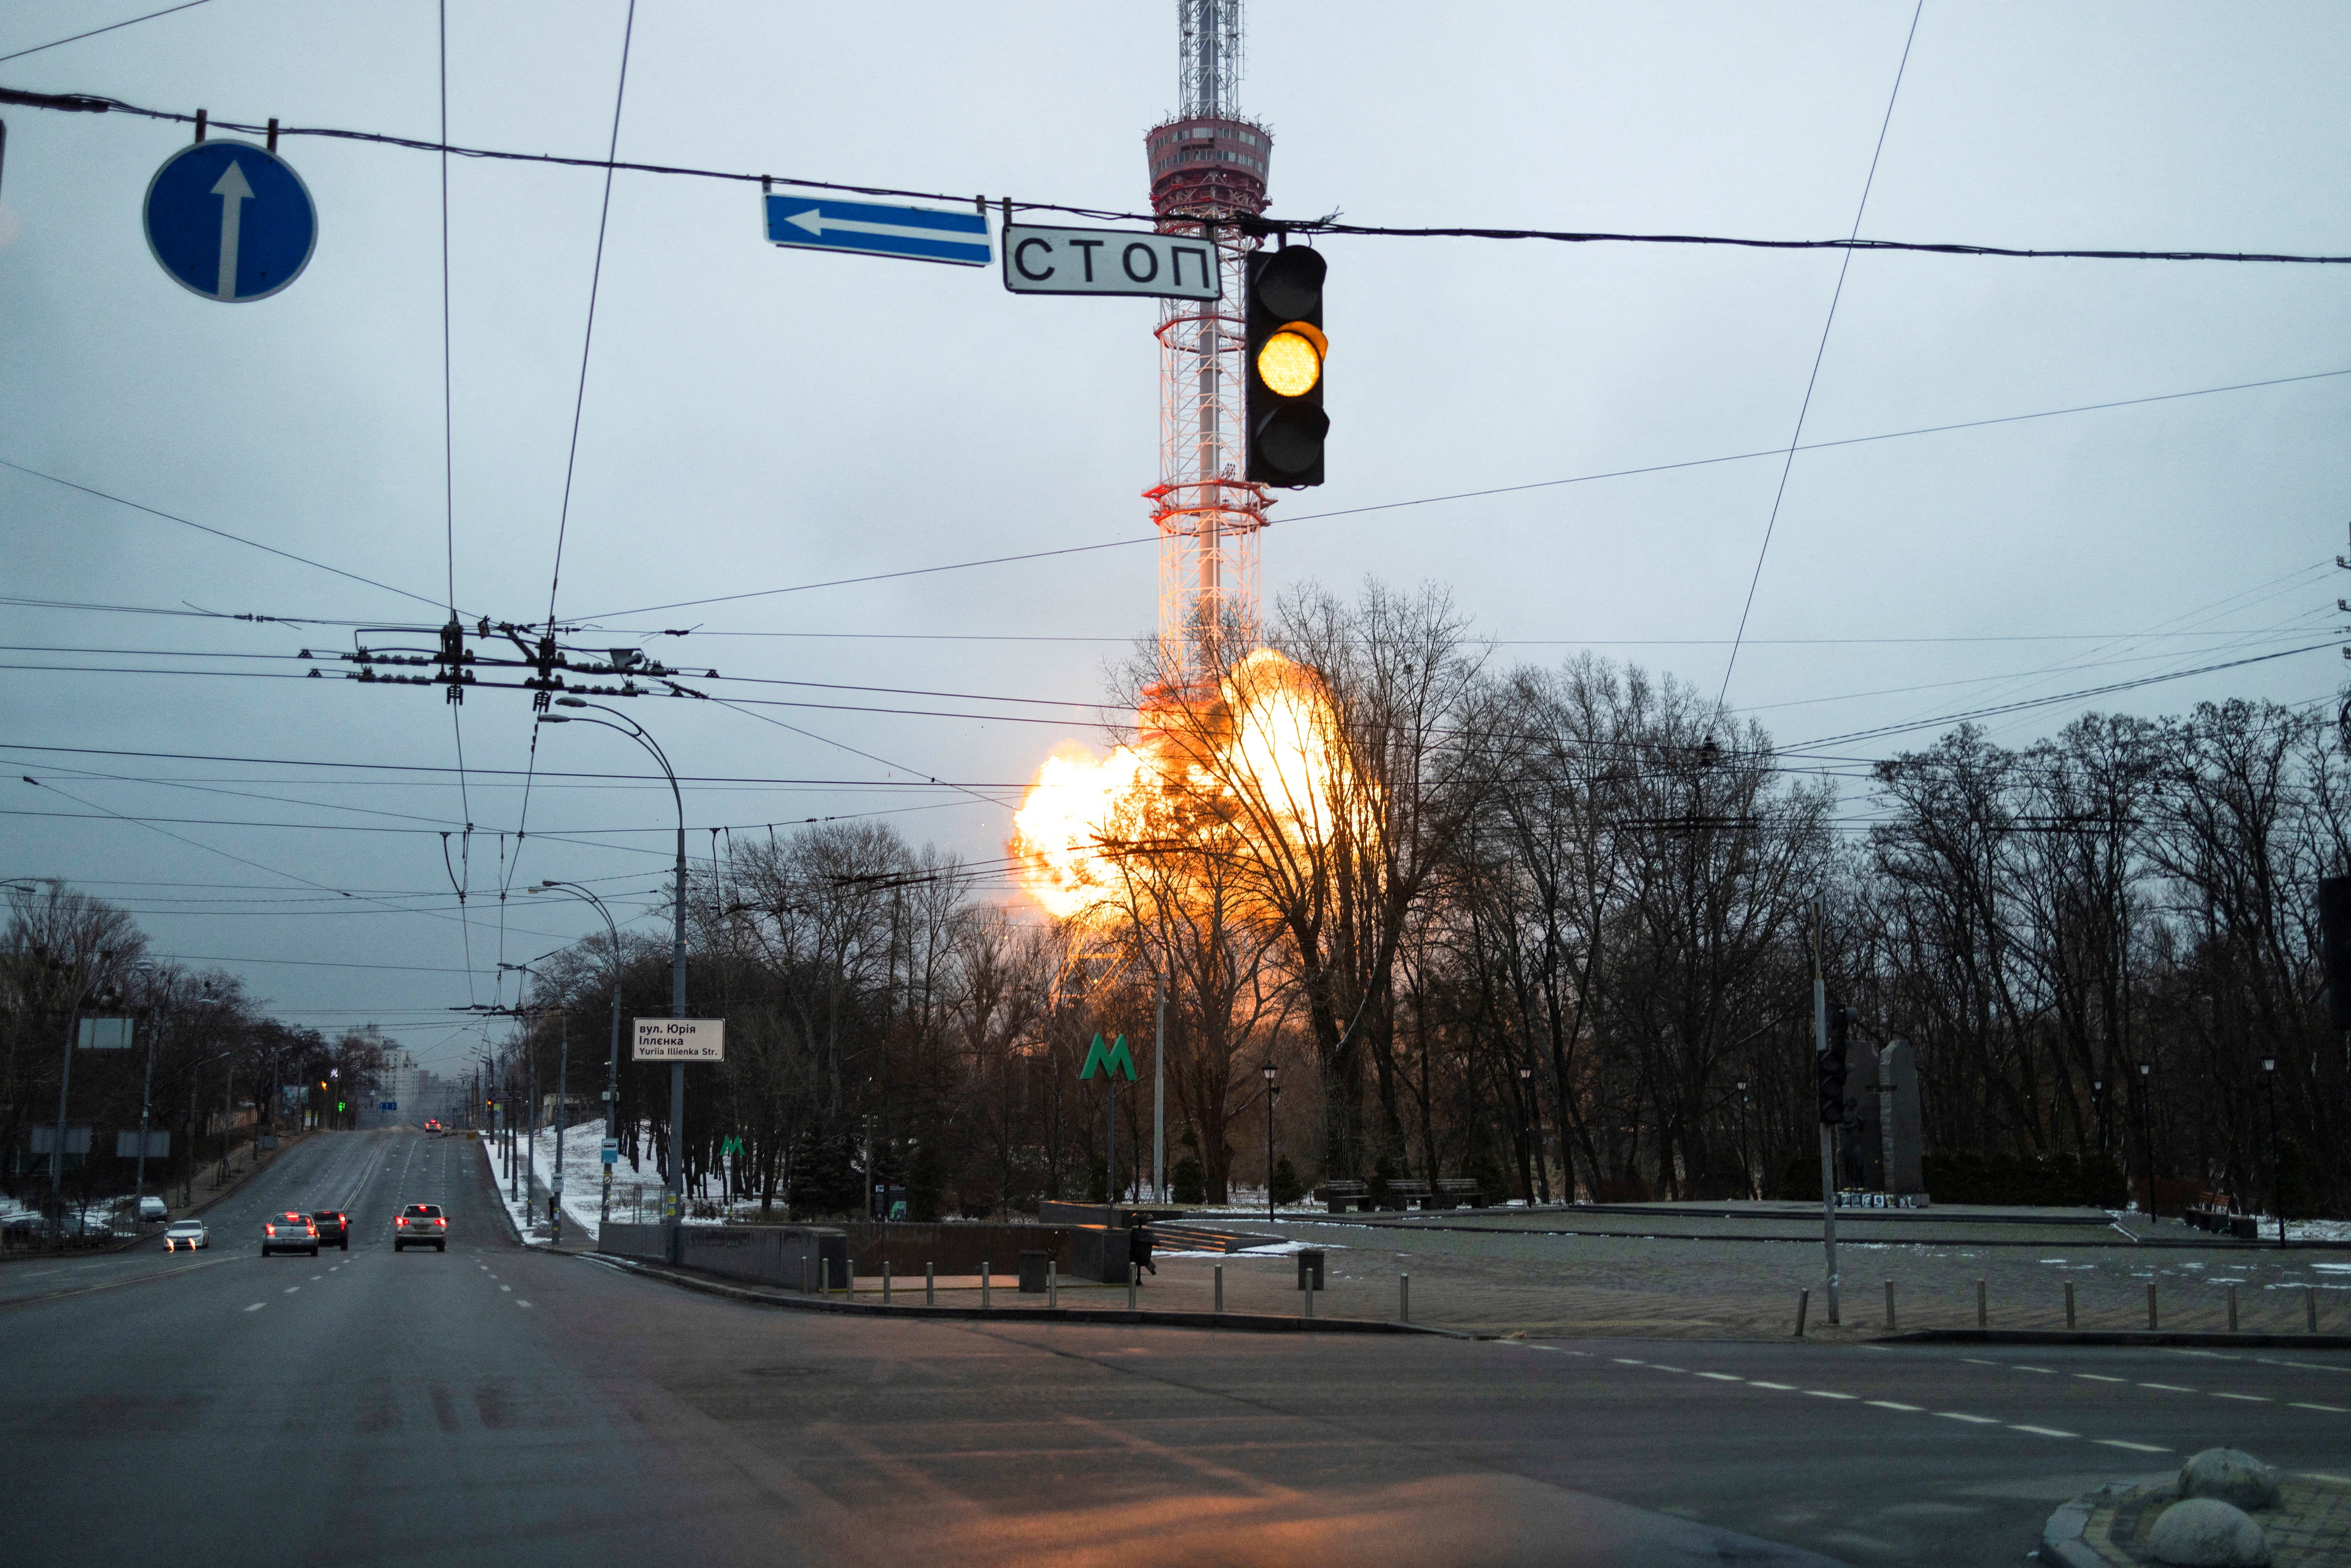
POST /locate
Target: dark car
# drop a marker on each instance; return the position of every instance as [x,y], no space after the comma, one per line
[334,1227]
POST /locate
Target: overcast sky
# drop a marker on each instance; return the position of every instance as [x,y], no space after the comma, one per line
[756,418]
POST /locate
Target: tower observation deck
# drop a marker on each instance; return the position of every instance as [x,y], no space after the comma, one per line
[1208,166]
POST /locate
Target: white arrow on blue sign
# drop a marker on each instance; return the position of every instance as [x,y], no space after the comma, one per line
[912,234]
[230,221]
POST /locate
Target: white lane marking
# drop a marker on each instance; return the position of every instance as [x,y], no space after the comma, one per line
[316,1278]
[1661,1366]
[1830,1394]
[2134,1448]
[2299,1404]
[1892,1405]
[2101,1377]
[506,1287]
[1972,1361]
[2167,1388]
[257,1306]
[1722,1377]
[2248,1398]
[522,1304]
[1626,1361]
[1978,1420]
[1782,1387]
[2043,1370]
[289,1289]
[2040,1431]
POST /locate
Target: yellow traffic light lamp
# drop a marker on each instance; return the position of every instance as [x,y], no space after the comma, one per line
[1286,348]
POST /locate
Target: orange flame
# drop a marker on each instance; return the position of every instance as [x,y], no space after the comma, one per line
[1261,754]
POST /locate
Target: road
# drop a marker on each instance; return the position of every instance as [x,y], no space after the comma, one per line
[495,1405]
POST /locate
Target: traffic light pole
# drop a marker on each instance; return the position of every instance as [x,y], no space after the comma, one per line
[1828,1133]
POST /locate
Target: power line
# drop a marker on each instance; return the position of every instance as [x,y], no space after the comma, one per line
[1820,351]
[93,103]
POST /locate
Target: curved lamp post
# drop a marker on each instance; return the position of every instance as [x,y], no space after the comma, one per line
[636,732]
[612,1067]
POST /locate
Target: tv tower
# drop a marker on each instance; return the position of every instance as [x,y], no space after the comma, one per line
[1207,169]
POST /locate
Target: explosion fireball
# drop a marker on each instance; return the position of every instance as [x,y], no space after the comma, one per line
[1259,757]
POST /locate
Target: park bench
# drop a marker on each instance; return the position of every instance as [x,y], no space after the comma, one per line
[1458,1192]
[1404,1191]
[1338,1195]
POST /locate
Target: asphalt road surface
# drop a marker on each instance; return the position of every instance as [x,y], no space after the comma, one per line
[498,1405]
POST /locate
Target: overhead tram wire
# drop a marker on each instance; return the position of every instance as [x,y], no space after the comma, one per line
[449,525]
[96,104]
[570,463]
[1819,352]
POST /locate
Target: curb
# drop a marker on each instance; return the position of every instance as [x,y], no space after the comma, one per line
[2061,1538]
[1247,1323]
[2202,1338]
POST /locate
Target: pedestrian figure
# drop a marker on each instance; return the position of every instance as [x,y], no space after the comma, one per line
[1138,1244]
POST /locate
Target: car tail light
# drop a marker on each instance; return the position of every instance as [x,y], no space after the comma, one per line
[271,1229]
[442,1223]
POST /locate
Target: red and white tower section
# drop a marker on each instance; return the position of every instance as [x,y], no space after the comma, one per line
[1207,169]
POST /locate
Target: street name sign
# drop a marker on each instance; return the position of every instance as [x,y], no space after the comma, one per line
[1108,261]
[126,1145]
[387,1105]
[103,1034]
[681,1040]
[230,221]
[866,228]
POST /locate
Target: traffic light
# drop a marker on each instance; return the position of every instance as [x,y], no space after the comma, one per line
[1832,1067]
[1286,350]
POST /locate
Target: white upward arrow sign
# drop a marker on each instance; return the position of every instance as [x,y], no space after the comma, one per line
[816,223]
[232,190]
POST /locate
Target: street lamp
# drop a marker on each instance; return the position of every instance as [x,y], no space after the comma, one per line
[2277,1164]
[676,1186]
[612,1067]
[1272,1088]
[2146,1142]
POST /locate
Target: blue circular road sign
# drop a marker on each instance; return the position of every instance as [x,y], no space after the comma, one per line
[230,221]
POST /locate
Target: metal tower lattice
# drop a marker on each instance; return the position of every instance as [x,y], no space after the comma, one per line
[1208,166]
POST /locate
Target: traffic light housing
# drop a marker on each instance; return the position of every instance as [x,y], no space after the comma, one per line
[1833,1067]
[1286,348]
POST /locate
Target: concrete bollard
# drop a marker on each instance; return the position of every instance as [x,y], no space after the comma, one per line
[1134,1283]
[930,1286]
[1804,1306]
[1310,1298]
[1983,1306]
[808,1276]
[2069,1304]
[1889,1306]
[1052,1281]
[849,1278]
[2310,1306]
[1220,1288]
[885,1282]
[2150,1304]
[1403,1297]
[983,1286]
[2232,1308]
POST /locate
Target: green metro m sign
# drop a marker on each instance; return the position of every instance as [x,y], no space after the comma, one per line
[1110,1060]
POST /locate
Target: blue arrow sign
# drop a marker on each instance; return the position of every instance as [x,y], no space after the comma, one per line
[913,233]
[230,221]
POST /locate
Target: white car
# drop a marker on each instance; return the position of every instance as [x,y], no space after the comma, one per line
[189,1234]
[153,1208]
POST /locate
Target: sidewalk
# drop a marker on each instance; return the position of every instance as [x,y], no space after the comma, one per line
[2108,1528]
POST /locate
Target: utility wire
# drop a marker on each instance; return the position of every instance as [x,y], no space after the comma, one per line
[449,516]
[91,103]
[218,533]
[110,26]
[1820,351]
